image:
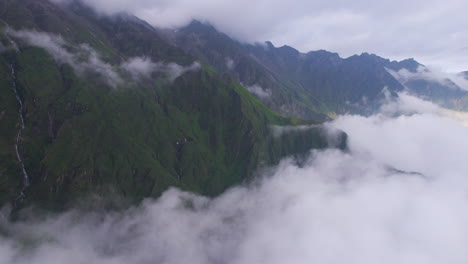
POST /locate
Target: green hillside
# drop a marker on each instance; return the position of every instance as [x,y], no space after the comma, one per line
[91,127]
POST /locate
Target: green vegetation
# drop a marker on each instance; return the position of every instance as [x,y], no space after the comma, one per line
[202,132]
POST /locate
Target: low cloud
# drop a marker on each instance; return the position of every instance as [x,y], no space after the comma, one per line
[398,196]
[406,104]
[83,58]
[431,74]
[281,130]
[259,91]
[175,70]
[229,63]
[144,67]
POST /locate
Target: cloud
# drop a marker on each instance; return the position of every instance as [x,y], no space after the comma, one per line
[175,70]
[431,31]
[144,67]
[229,63]
[140,67]
[281,130]
[398,196]
[259,91]
[83,58]
[431,74]
[406,104]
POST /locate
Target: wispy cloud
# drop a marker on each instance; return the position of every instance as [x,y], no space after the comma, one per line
[144,67]
[229,63]
[83,58]
[259,91]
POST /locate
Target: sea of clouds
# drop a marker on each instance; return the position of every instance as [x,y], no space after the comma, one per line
[399,195]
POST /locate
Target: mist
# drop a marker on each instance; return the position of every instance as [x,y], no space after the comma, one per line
[84,59]
[432,74]
[143,67]
[399,195]
[259,91]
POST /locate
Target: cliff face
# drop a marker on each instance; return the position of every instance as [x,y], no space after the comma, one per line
[109,107]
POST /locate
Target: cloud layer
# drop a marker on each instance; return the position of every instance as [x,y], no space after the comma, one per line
[398,196]
[432,31]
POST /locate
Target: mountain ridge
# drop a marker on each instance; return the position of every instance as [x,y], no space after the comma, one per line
[308,85]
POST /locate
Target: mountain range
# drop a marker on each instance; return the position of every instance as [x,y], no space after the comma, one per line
[109,106]
[318,83]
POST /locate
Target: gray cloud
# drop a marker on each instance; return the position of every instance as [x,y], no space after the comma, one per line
[337,208]
[432,31]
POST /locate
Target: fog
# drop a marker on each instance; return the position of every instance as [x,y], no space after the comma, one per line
[399,195]
[432,74]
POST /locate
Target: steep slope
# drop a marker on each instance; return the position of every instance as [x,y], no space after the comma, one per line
[111,108]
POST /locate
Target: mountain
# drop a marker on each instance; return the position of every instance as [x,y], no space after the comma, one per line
[99,105]
[308,85]
[316,84]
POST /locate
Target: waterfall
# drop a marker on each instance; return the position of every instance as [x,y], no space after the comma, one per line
[21,129]
[24,174]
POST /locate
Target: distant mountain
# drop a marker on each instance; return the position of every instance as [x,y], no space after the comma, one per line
[101,105]
[306,85]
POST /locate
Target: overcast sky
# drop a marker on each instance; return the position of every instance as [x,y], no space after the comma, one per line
[432,31]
